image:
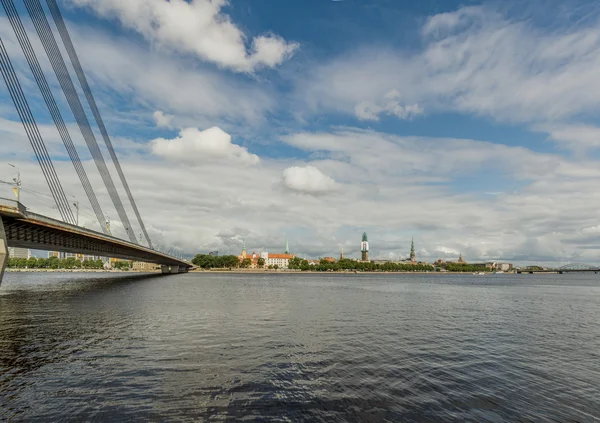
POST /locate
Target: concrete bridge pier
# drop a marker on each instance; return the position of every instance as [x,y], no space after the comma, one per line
[169,270]
[3,250]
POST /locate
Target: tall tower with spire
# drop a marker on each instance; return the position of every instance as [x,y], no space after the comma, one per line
[413,256]
[244,248]
[364,248]
[287,247]
[342,253]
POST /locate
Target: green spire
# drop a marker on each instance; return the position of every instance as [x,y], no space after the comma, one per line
[287,247]
[364,238]
[413,256]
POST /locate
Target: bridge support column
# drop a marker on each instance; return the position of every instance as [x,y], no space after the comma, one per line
[168,270]
[3,250]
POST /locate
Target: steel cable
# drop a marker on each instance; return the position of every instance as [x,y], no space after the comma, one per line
[42,27]
[42,83]
[66,38]
[35,138]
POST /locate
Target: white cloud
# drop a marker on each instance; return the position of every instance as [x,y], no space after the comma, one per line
[474,61]
[307,179]
[155,80]
[198,27]
[161,119]
[577,137]
[393,188]
[451,21]
[390,105]
[194,146]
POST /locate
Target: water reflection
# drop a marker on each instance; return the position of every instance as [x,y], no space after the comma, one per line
[299,348]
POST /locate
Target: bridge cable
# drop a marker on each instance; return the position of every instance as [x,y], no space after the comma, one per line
[42,83]
[31,129]
[45,34]
[66,38]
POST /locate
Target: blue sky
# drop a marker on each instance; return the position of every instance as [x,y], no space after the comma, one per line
[471,126]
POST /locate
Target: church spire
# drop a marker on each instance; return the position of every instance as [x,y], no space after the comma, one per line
[413,255]
[287,247]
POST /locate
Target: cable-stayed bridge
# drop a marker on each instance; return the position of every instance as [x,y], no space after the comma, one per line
[18,226]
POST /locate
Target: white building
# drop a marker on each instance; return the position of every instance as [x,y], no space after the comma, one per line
[15,252]
[78,256]
[281,260]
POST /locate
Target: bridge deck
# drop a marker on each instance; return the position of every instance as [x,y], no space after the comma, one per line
[30,230]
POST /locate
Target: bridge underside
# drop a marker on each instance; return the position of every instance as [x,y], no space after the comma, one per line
[19,228]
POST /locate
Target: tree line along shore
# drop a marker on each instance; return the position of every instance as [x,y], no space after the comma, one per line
[69,263]
[231,262]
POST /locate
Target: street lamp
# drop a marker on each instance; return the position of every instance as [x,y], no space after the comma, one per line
[17,182]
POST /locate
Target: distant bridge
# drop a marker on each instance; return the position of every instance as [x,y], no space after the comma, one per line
[21,228]
[567,268]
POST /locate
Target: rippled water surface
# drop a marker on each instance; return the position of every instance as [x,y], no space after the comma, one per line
[302,347]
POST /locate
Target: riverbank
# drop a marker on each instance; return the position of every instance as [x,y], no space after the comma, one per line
[79,271]
[241,271]
[260,271]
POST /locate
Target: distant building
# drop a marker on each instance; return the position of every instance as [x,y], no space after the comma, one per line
[505,267]
[142,266]
[461,260]
[413,255]
[253,257]
[329,259]
[213,253]
[78,256]
[15,252]
[364,248]
[281,260]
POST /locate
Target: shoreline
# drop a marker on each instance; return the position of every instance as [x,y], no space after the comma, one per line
[13,270]
[261,271]
[240,271]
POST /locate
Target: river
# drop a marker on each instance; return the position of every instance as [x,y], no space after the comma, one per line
[299,347]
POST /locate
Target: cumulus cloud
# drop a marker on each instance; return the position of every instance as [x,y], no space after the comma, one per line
[387,191]
[162,120]
[193,146]
[390,105]
[198,27]
[308,179]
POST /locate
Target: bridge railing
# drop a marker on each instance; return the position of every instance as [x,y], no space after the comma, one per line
[13,204]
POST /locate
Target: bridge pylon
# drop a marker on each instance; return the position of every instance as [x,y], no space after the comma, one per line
[3,250]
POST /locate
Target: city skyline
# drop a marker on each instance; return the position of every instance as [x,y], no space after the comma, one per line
[351,131]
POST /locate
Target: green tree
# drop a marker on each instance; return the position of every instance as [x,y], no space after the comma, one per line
[261,262]
[121,265]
